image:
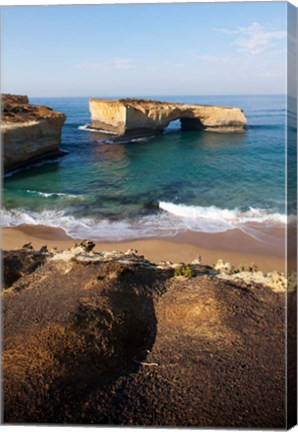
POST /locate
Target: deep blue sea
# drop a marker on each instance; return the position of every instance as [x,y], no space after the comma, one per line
[159,186]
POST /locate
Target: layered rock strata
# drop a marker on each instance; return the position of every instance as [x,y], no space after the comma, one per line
[138,117]
[29,132]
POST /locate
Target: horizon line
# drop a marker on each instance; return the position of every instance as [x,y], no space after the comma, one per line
[156,95]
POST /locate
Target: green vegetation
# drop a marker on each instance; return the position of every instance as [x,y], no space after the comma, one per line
[184,270]
[138,100]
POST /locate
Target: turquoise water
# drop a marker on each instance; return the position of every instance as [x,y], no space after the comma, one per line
[203,181]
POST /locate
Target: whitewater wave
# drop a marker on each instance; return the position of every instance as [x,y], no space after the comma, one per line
[171,220]
[254,222]
[90,129]
[52,194]
[118,141]
[214,214]
[95,229]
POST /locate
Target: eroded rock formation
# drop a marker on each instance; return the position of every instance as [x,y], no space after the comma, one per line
[138,117]
[29,132]
[111,338]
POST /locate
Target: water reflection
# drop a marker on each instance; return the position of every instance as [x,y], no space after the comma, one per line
[215,140]
[113,152]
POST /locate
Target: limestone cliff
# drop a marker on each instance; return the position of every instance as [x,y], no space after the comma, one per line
[138,117]
[29,132]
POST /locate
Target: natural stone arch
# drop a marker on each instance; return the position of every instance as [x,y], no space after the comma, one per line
[137,117]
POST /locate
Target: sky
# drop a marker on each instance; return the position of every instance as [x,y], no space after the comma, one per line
[144,49]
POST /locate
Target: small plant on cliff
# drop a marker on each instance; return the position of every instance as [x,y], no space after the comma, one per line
[139,100]
[184,270]
[248,268]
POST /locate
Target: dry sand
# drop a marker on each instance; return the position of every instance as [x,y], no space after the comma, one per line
[233,246]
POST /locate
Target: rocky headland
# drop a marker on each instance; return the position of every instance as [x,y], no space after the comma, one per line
[141,117]
[111,338]
[29,132]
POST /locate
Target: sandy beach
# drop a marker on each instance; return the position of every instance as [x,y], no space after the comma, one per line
[233,246]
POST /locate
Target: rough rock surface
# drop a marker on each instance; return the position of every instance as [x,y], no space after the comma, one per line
[8,99]
[137,117]
[110,338]
[29,132]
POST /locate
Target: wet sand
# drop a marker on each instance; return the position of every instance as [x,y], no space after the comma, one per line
[233,246]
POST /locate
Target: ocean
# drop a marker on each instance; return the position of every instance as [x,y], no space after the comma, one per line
[157,186]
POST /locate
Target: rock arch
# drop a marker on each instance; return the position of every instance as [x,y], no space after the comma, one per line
[140,117]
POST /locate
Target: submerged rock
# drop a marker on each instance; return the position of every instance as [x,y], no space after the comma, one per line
[29,132]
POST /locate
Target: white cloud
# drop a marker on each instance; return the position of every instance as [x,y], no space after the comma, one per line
[100,66]
[212,58]
[107,65]
[254,39]
[123,63]
[225,31]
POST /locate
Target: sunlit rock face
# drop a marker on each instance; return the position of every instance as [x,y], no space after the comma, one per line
[29,132]
[139,117]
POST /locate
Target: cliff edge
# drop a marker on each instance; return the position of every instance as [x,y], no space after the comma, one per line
[29,132]
[111,338]
[139,117]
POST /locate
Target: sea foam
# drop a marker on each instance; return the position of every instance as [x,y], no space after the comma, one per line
[171,220]
[52,194]
[213,213]
[90,129]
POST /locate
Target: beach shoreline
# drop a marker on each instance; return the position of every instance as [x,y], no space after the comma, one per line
[233,246]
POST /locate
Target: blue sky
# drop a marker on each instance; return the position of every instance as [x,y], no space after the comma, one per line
[143,50]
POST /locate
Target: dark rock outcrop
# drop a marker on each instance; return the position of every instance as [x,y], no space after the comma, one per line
[29,132]
[17,264]
[110,338]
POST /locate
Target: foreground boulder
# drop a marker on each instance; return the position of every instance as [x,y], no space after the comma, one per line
[29,132]
[139,117]
[75,321]
[110,338]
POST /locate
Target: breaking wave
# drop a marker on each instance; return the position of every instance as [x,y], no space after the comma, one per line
[169,221]
[224,216]
[92,228]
